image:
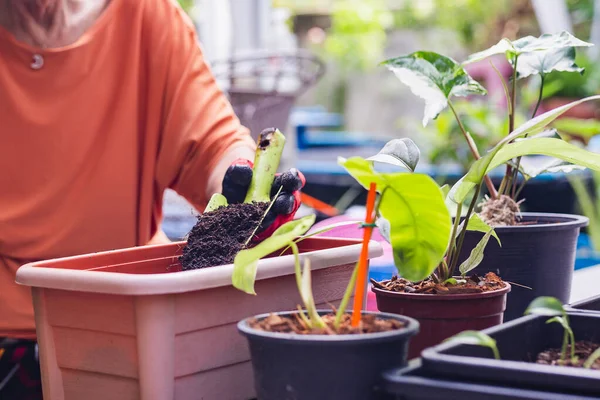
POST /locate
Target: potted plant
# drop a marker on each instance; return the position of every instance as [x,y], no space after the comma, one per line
[414,215]
[132,324]
[538,249]
[319,354]
[552,350]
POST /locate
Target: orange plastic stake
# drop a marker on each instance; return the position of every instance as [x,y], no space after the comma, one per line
[361,277]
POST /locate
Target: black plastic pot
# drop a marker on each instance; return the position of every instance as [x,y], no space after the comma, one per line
[591,304]
[414,383]
[325,367]
[539,255]
[519,342]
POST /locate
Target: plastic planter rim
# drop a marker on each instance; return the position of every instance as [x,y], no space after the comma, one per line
[434,353]
[568,221]
[411,328]
[438,297]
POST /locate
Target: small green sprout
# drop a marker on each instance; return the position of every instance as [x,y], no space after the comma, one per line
[478,339]
[552,307]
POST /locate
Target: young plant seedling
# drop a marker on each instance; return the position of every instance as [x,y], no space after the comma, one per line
[476,338]
[223,230]
[552,307]
[439,79]
[414,216]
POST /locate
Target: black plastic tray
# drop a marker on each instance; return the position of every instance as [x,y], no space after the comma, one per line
[413,383]
[519,342]
[591,304]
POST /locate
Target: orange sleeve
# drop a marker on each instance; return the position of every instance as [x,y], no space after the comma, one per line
[199,125]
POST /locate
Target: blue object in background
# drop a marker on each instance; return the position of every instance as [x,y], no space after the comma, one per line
[586,255]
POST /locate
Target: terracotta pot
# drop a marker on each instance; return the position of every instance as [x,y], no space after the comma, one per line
[325,367]
[129,325]
[441,316]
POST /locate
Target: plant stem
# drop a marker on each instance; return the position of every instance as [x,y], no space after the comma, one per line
[474,151]
[539,101]
[461,237]
[496,352]
[592,359]
[266,161]
[297,266]
[572,336]
[452,245]
[511,120]
[271,202]
[217,200]
[563,352]
[504,86]
[537,106]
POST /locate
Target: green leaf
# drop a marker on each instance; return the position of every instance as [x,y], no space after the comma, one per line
[479,225]
[485,164]
[476,255]
[419,220]
[477,339]
[547,306]
[553,165]
[400,152]
[322,230]
[307,296]
[434,78]
[504,46]
[529,44]
[586,128]
[592,359]
[217,200]
[384,228]
[246,261]
[445,190]
[544,62]
[559,320]
[451,281]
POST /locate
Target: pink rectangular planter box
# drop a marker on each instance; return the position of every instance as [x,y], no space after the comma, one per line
[129,324]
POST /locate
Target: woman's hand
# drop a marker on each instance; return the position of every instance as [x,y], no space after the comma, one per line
[237,181]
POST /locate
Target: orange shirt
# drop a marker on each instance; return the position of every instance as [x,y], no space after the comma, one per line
[89,142]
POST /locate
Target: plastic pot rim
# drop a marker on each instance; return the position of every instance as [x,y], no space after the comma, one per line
[444,297]
[411,329]
[568,221]
[436,354]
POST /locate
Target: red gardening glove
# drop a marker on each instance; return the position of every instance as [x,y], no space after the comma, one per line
[237,181]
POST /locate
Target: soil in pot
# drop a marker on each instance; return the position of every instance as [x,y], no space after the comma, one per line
[583,350]
[291,362]
[471,284]
[475,303]
[370,323]
[219,235]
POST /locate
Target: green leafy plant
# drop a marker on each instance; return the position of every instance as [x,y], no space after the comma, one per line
[414,216]
[476,338]
[552,307]
[438,80]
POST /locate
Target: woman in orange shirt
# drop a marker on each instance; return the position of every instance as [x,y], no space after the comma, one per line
[104,104]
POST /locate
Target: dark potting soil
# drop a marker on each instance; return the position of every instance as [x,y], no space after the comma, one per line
[583,350]
[284,324]
[219,235]
[471,284]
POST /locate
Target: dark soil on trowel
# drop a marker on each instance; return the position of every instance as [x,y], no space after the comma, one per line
[583,350]
[471,284]
[285,324]
[219,235]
